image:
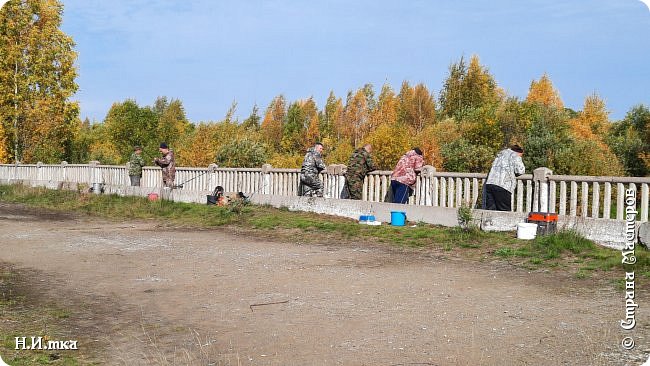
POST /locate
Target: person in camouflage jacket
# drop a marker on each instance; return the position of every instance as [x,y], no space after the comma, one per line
[168,165]
[136,162]
[310,182]
[359,166]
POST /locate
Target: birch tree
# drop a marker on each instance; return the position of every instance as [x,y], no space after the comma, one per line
[37,79]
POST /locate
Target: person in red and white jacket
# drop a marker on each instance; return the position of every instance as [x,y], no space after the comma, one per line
[405,174]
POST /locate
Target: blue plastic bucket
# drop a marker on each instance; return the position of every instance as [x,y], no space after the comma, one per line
[397,218]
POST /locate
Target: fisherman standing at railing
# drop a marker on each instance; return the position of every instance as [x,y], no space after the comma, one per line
[359,166]
[404,176]
[168,165]
[310,182]
[136,162]
[502,179]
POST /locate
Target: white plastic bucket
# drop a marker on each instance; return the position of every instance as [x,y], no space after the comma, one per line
[526,231]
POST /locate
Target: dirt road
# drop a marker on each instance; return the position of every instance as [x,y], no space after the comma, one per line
[141,295]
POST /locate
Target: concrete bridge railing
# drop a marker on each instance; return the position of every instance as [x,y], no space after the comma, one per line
[573,196]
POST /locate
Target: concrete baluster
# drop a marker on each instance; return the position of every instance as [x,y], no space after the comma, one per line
[585,200]
[573,207]
[265,179]
[552,199]
[644,202]
[64,175]
[540,176]
[607,201]
[595,200]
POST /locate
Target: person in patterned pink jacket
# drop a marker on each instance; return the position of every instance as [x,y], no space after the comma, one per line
[405,173]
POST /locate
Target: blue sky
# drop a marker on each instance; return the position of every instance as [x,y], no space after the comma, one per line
[208,53]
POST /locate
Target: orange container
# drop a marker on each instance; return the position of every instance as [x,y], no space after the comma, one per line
[542,217]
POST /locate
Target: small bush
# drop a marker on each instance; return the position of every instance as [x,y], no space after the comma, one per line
[465,217]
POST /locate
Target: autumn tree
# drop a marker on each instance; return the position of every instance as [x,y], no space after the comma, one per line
[590,129]
[468,87]
[543,92]
[389,143]
[332,118]
[548,139]
[356,114]
[313,134]
[463,156]
[199,148]
[242,152]
[427,140]
[386,110]
[593,121]
[4,146]
[128,125]
[273,122]
[300,116]
[417,107]
[514,120]
[252,123]
[37,79]
[102,148]
[172,123]
[629,139]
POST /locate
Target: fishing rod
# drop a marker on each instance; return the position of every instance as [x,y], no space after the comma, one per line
[180,185]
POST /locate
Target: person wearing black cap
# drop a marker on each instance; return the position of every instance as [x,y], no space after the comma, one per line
[404,176]
[168,165]
[502,179]
[135,166]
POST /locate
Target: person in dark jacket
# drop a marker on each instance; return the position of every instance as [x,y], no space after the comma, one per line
[309,173]
[359,166]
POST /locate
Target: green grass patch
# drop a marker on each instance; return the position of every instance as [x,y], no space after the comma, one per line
[23,317]
[570,249]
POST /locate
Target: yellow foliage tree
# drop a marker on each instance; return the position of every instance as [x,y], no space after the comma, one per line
[4,148]
[356,117]
[543,92]
[427,140]
[104,151]
[273,122]
[389,142]
[332,117]
[592,123]
[199,148]
[279,160]
[446,131]
[590,129]
[312,128]
[417,107]
[313,131]
[37,80]
[337,152]
[386,111]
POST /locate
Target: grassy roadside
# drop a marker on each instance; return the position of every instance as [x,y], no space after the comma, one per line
[565,251]
[22,317]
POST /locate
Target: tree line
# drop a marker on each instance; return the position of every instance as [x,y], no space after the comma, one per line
[460,129]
